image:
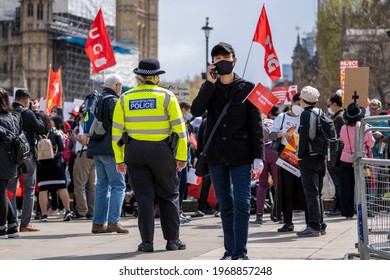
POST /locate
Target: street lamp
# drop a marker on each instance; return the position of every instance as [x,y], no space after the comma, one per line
[207,30]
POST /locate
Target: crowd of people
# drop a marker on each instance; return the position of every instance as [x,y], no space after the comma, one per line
[149,146]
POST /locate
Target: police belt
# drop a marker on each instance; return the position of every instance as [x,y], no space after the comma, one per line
[166,140]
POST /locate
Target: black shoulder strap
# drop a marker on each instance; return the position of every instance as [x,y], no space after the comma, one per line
[240,87]
[281,125]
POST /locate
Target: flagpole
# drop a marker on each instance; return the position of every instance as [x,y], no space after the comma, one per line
[61,91]
[246,63]
[47,92]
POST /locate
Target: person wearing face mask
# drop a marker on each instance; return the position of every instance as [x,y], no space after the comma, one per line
[289,192]
[236,145]
[311,164]
[336,111]
[110,185]
[147,116]
[187,116]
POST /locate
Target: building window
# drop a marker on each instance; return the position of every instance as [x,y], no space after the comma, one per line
[28,84]
[40,11]
[5,70]
[28,58]
[30,10]
[39,59]
[39,88]
[5,30]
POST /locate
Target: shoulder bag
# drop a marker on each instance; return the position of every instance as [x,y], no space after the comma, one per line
[201,168]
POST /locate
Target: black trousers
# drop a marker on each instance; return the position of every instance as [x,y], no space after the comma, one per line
[347,202]
[313,170]
[6,211]
[153,174]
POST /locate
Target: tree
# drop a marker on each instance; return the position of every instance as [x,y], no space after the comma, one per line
[354,30]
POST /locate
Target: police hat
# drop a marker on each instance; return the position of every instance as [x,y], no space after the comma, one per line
[148,67]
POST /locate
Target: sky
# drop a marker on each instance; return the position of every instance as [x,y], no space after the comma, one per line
[182,42]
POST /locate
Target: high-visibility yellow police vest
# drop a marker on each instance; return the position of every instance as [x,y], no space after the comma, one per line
[149,113]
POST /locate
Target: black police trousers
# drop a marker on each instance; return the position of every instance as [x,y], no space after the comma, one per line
[153,175]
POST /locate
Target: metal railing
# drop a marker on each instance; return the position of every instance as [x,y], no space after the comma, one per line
[372,192]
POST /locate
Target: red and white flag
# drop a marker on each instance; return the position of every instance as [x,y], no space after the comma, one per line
[54,90]
[98,47]
[263,36]
[262,98]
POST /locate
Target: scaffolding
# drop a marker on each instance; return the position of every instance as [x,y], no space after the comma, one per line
[68,27]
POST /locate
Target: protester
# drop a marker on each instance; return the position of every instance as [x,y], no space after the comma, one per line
[33,126]
[289,194]
[185,108]
[379,150]
[51,174]
[8,169]
[270,166]
[84,176]
[311,164]
[237,143]
[149,114]
[336,111]
[353,114]
[110,185]
[203,206]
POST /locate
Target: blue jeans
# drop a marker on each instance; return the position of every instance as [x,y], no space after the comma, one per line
[110,191]
[233,191]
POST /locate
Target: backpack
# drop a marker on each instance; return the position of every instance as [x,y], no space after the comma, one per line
[326,141]
[45,148]
[67,153]
[93,115]
[20,148]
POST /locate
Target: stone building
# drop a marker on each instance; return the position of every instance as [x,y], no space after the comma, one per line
[38,33]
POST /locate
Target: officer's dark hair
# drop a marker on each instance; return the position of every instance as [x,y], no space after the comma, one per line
[185,105]
[22,94]
[335,98]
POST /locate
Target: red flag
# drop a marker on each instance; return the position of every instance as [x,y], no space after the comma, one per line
[98,47]
[263,36]
[262,98]
[54,90]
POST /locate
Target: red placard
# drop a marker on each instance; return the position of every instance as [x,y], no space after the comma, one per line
[262,98]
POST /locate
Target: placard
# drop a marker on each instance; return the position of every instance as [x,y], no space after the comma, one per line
[356,80]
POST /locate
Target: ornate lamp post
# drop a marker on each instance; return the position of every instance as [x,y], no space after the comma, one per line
[207,30]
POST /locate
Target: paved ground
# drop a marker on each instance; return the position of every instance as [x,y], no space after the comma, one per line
[73,240]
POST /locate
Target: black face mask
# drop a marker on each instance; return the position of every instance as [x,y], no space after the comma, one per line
[224,67]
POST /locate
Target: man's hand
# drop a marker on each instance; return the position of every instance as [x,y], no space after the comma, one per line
[180,165]
[121,168]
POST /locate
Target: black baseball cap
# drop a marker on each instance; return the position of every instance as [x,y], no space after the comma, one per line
[222,47]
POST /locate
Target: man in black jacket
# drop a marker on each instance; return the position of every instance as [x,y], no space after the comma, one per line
[236,144]
[335,109]
[33,126]
[311,164]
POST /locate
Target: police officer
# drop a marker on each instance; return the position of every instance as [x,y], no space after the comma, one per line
[149,115]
